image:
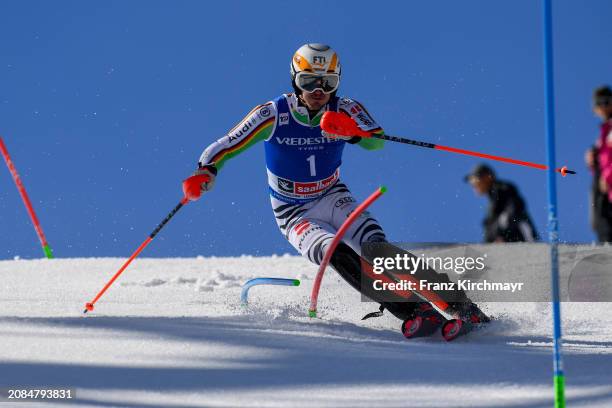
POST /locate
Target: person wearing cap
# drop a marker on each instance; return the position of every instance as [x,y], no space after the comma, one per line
[507,219]
[599,160]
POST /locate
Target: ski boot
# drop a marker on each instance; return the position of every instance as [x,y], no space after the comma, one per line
[424,321]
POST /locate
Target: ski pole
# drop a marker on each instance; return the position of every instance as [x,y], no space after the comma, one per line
[340,124]
[26,200]
[314,296]
[90,306]
[192,192]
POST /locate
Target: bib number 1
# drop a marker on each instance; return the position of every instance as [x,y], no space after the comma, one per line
[313,169]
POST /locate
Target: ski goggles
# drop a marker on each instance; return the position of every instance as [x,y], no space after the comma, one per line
[308,82]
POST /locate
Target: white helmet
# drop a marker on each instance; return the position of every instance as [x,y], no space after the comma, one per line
[315,66]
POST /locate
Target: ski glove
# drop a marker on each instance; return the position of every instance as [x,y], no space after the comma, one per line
[202,180]
[340,124]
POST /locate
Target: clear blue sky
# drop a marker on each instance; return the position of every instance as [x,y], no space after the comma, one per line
[106,107]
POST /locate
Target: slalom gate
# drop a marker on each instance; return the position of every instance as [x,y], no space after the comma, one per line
[312,312]
[244,294]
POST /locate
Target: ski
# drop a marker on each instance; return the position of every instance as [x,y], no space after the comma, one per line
[426,320]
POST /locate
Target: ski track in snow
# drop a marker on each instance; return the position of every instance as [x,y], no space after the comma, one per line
[171,333]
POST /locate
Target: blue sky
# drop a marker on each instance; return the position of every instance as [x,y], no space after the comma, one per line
[107,106]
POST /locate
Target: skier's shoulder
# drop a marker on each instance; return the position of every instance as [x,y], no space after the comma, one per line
[260,118]
[263,114]
[346,103]
[358,112]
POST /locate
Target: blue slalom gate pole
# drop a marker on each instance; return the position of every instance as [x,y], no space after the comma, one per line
[244,295]
[553,224]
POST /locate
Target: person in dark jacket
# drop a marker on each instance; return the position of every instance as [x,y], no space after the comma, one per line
[599,160]
[507,219]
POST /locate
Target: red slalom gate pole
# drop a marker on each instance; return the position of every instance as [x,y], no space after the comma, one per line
[26,200]
[90,305]
[314,296]
[340,124]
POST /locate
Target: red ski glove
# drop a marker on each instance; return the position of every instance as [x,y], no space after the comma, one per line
[338,123]
[202,180]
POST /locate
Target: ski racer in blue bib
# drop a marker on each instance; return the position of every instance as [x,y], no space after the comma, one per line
[302,161]
[308,199]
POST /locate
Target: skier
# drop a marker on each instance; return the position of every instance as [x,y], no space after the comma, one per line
[309,200]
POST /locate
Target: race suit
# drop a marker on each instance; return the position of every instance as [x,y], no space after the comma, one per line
[308,199]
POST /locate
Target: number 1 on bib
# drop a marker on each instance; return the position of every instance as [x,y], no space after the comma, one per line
[311,161]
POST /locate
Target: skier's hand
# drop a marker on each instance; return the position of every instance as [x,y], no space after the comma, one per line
[340,124]
[335,136]
[202,180]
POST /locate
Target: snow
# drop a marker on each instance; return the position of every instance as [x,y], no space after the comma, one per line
[172,333]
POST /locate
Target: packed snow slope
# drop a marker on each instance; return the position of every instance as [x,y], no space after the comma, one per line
[171,333]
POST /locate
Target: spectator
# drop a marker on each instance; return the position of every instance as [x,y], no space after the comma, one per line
[507,219]
[599,160]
